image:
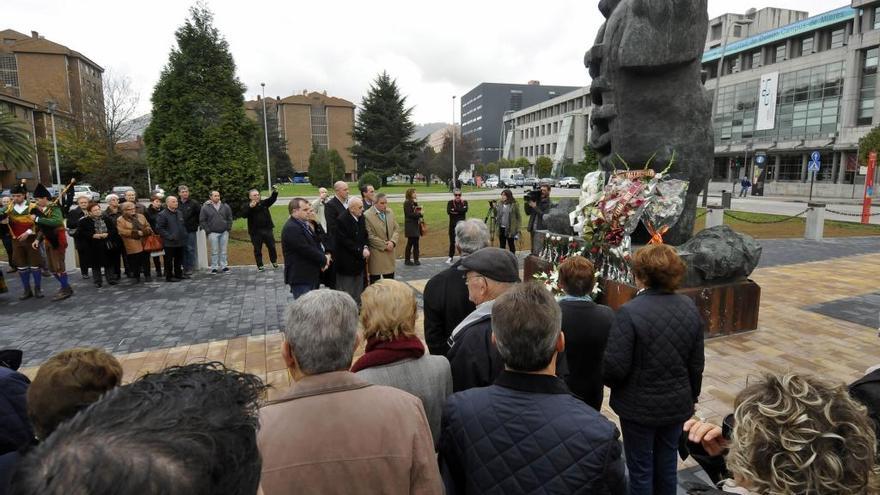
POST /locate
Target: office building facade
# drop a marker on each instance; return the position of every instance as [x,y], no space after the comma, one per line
[788,93]
[558,128]
[309,119]
[483,109]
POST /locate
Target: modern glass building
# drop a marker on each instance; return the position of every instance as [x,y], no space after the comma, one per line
[785,93]
[483,109]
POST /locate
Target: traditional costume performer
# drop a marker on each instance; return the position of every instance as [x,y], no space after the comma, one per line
[25,256]
[49,220]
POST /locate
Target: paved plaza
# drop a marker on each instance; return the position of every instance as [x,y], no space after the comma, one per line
[819,314]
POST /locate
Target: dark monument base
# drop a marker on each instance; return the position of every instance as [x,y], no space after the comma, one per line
[727,308]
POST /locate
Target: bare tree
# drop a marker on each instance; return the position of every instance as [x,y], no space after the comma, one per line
[120,104]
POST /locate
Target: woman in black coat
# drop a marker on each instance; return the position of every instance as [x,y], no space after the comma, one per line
[654,367]
[412,213]
[586,326]
[152,212]
[99,230]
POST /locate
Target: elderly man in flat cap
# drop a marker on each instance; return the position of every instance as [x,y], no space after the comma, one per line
[475,362]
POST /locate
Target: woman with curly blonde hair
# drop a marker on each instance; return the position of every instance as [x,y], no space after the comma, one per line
[795,434]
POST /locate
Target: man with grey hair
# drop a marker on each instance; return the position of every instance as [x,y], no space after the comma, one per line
[577,447]
[475,362]
[334,208]
[344,430]
[446,301]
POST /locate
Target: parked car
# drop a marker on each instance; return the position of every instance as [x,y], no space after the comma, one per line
[531,182]
[492,182]
[80,190]
[119,191]
[568,182]
[301,179]
[158,191]
[549,181]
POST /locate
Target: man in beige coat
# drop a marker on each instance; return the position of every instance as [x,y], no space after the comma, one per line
[333,432]
[382,232]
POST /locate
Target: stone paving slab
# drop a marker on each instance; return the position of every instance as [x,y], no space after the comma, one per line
[130,319]
[863,309]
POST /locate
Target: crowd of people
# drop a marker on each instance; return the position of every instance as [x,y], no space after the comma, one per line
[356,236]
[506,396]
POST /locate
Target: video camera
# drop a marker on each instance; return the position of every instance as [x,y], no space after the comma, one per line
[533,195]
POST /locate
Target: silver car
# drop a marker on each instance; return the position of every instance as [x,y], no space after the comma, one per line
[80,190]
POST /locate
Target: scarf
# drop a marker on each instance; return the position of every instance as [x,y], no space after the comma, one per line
[381,352]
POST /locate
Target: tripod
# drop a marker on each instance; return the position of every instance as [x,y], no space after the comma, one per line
[490,221]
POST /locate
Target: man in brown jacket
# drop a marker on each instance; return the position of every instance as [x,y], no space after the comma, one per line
[383,235]
[333,432]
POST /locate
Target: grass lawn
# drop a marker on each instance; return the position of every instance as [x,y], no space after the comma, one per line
[308,190]
[436,243]
[789,229]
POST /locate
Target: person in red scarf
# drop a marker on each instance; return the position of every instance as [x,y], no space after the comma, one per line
[395,356]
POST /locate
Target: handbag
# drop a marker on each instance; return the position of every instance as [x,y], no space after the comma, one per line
[152,243]
[423,228]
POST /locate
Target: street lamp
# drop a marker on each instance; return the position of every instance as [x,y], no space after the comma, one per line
[266,134]
[453,142]
[718,75]
[52,106]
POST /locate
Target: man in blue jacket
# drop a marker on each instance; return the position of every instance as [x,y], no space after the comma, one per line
[304,255]
[526,433]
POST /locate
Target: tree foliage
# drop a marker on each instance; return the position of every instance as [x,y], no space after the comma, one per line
[543,166]
[279,160]
[199,134]
[383,131]
[423,162]
[325,166]
[870,142]
[371,179]
[16,146]
[441,165]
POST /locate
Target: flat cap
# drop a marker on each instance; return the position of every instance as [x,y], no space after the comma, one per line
[493,263]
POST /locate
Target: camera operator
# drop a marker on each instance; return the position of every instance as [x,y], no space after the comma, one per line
[537,204]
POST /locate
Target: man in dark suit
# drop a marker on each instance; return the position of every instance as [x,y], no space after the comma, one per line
[304,256]
[446,294]
[333,209]
[352,250]
[82,245]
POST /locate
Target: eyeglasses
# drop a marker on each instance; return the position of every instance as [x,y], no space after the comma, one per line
[457,195]
[468,279]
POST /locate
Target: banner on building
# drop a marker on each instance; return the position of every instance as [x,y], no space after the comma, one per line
[767,102]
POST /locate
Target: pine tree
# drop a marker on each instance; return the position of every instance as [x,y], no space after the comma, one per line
[199,134]
[383,131]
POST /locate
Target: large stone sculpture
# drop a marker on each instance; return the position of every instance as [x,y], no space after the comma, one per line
[648,96]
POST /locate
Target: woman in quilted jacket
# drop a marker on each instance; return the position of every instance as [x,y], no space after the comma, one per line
[654,367]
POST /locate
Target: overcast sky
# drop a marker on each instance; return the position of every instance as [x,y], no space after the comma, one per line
[434,49]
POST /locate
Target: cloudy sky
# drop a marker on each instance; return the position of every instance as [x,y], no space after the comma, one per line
[434,49]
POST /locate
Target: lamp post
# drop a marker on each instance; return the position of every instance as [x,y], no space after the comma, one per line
[266,134]
[741,22]
[52,106]
[453,144]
